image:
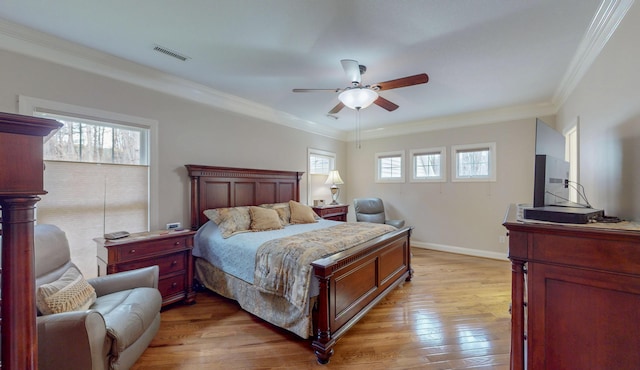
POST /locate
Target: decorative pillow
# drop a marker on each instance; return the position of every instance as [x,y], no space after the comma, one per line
[284,212]
[230,221]
[263,219]
[301,214]
[69,293]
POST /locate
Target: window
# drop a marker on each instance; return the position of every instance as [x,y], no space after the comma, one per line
[321,162]
[389,167]
[97,174]
[85,140]
[476,162]
[428,165]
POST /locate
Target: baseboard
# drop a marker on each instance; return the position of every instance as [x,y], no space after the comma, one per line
[460,250]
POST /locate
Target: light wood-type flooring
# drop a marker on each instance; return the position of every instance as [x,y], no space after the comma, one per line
[454,314]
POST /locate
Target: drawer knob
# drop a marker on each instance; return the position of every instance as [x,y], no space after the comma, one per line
[177,243]
[174,263]
[132,251]
[174,285]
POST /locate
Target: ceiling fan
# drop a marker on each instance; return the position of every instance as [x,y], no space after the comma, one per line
[358,96]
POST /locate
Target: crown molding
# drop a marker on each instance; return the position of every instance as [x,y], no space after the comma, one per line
[27,41]
[603,25]
[24,40]
[461,120]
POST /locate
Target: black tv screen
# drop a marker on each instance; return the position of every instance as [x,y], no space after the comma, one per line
[550,181]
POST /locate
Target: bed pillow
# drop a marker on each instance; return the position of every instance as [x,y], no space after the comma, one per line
[230,221]
[71,292]
[263,219]
[301,214]
[284,212]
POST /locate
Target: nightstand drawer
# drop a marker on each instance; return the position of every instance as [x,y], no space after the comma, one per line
[132,251]
[171,285]
[167,264]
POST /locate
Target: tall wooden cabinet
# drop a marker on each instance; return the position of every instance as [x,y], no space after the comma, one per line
[21,181]
[575,295]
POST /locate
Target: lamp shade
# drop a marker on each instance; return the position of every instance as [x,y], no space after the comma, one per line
[334,178]
[358,97]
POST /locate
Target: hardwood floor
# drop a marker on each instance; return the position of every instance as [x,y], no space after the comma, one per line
[454,314]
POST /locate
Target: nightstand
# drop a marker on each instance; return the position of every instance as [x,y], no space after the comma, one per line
[170,250]
[336,212]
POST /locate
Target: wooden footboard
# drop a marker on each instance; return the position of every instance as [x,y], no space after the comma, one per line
[354,281]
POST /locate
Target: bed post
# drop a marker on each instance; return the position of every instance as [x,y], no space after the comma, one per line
[195,202]
[323,345]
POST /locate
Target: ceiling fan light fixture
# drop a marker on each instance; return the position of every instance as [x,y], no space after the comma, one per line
[358,98]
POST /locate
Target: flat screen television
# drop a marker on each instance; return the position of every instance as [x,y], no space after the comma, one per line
[551,182]
[551,171]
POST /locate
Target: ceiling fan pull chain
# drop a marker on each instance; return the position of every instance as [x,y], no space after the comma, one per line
[358,146]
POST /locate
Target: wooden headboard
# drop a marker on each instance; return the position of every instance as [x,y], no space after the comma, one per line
[221,187]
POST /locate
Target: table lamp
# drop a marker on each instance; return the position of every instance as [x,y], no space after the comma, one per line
[334,179]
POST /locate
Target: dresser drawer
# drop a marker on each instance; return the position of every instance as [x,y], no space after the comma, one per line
[168,264]
[171,285]
[132,251]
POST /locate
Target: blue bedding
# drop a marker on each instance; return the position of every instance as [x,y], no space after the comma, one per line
[236,255]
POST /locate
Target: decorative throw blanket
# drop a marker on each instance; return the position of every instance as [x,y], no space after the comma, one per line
[283,266]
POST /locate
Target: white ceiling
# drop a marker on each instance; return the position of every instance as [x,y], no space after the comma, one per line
[480,55]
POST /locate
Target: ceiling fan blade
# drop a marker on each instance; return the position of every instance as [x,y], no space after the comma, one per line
[386,104]
[352,70]
[403,82]
[315,90]
[337,108]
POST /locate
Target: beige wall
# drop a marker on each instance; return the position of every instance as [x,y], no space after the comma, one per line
[464,217]
[607,102]
[188,133]
[455,216]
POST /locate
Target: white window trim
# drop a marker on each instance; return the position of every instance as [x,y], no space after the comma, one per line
[28,106]
[493,164]
[383,180]
[443,164]
[311,151]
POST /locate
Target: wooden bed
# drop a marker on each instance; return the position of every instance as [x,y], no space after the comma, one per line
[351,282]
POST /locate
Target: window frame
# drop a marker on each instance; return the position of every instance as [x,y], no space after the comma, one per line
[321,153]
[492,165]
[392,154]
[442,151]
[32,106]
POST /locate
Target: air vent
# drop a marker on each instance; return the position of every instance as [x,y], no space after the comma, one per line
[171,53]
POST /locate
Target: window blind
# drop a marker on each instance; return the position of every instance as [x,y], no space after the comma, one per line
[88,199]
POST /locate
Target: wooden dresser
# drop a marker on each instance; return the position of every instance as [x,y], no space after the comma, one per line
[575,295]
[21,181]
[170,250]
[332,212]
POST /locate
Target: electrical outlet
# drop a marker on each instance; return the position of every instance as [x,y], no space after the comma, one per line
[173,226]
[502,239]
